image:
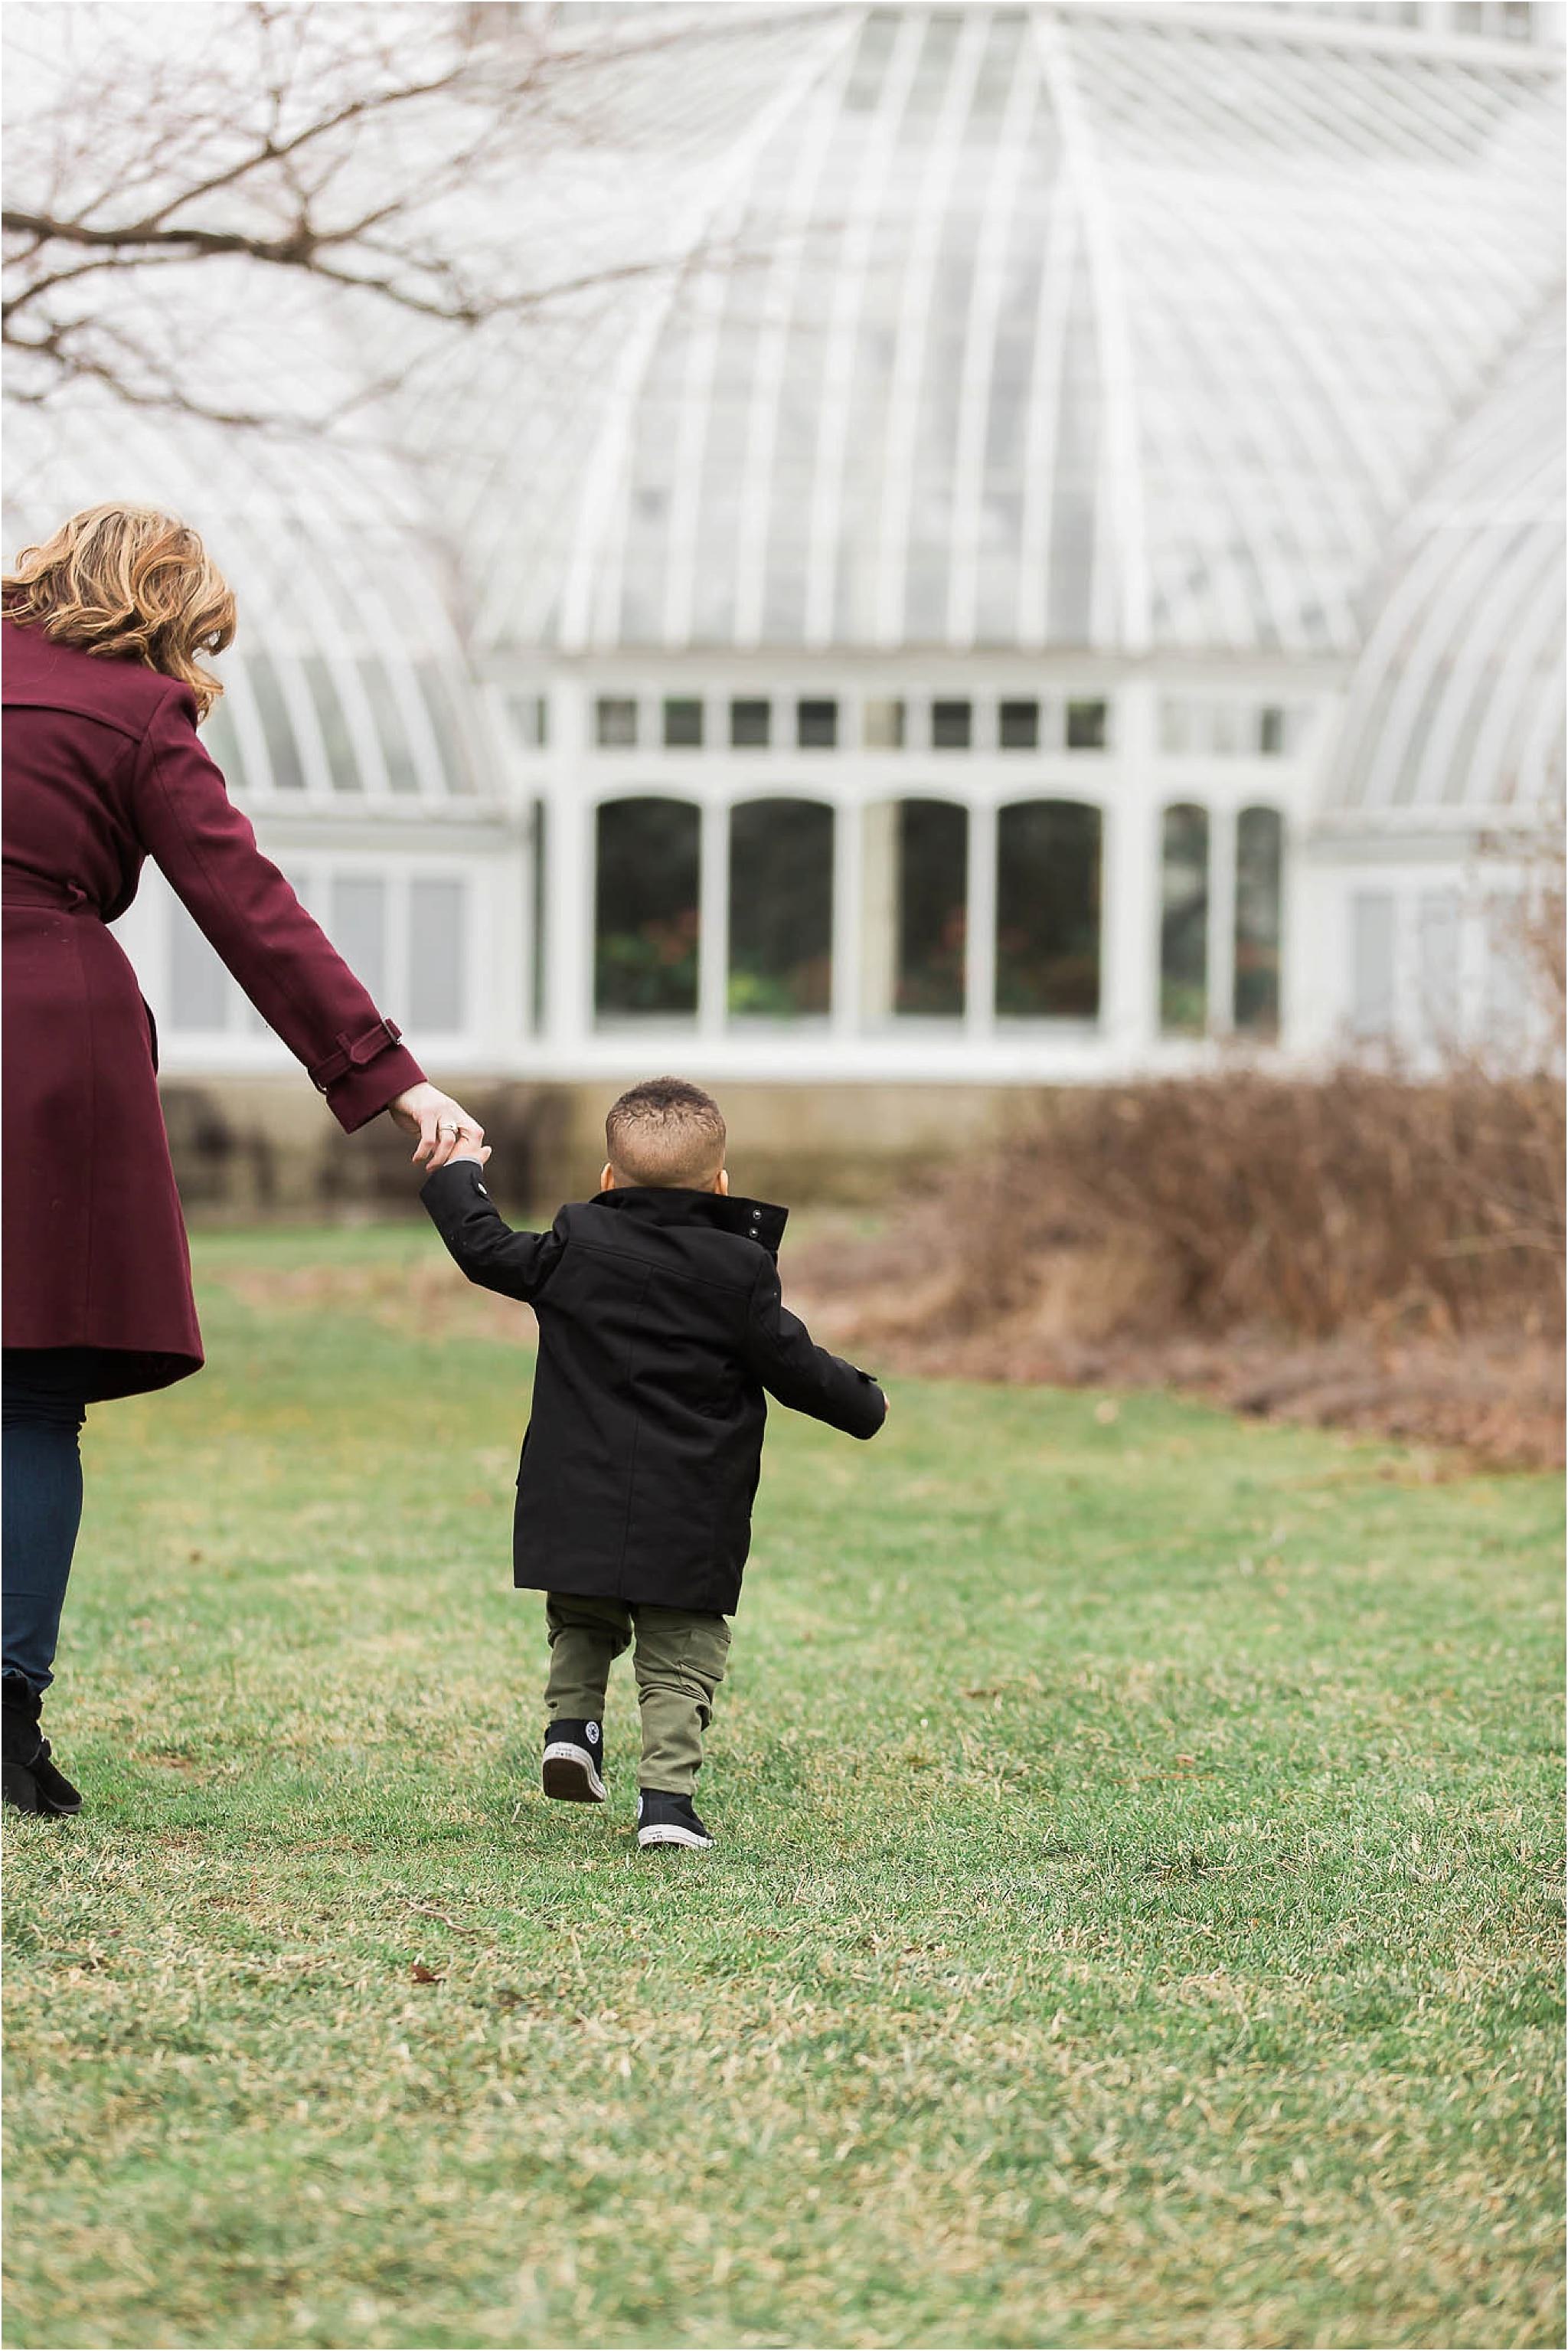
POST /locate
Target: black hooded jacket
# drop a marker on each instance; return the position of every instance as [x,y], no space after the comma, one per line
[661,1323]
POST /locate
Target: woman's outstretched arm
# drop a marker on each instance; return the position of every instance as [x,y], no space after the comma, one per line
[279,955]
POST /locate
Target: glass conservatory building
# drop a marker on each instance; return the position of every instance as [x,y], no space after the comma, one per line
[1082,585]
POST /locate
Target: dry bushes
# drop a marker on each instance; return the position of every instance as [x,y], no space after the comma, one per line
[1356,1247]
[1306,1205]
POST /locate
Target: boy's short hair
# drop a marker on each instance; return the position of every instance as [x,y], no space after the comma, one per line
[665,1134]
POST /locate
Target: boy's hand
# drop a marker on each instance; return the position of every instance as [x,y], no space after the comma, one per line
[467,1151]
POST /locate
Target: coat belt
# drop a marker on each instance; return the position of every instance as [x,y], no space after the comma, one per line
[19,888]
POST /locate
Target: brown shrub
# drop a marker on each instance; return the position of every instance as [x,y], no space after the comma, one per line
[1304,1203]
[1355,1248]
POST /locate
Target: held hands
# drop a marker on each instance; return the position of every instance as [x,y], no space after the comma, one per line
[443,1127]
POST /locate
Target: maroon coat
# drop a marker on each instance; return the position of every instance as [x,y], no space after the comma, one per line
[102,769]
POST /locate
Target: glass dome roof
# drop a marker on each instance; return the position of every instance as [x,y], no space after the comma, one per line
[1076,328]
[1458,700]
[347,681]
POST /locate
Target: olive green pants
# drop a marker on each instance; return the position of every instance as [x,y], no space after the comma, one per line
[678,1661]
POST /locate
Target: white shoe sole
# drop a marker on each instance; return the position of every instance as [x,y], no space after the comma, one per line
[667,1834]
[570,1775]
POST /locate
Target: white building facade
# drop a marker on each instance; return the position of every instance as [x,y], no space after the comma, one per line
[1080,586]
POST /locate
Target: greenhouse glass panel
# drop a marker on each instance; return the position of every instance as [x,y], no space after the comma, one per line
[1372,961]
[951,726]
[538,853]
[1047,911]
[1438,966]
[436,923]
[359,928]
[646,899]
[1086,726]
[282,744]
[392,728]
[933,882]
[780,908]
[1183,922]
[1260,861]
[451,742]
[530,716]
[1508,974]
[916,856]
[816,725]
[750,725]
[201,993]
[336,740]
[1017,726]
[615,723]
[1074,497]
[221,742]
[682,724]
[1176,729]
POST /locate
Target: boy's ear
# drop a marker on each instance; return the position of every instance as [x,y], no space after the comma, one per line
[607,1178]
[721,1182]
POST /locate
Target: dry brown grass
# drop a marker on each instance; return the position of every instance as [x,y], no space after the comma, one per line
[1357,1248]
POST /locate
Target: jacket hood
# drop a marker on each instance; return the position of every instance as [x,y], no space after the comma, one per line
[750,1221]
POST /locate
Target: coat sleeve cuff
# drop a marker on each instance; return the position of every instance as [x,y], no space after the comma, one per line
[359,1092]
[872,1402]
[446,1186]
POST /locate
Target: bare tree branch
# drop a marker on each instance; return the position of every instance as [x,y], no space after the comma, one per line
[389,154]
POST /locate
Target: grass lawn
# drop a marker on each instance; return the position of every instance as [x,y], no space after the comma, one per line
[1135,1920]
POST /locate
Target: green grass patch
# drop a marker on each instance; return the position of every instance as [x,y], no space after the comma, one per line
[1135,1918]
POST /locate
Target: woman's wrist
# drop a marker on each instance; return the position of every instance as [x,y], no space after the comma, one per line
[442,1125]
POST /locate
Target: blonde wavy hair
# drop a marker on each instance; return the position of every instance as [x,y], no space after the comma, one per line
[131,583]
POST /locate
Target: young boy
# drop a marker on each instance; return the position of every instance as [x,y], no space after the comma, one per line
[661,1323]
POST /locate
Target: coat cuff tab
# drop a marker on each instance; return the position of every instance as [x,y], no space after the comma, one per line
[353,1052]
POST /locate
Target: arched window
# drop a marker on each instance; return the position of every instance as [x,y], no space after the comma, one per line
[913,915]
[1260,862]
[1183,921]
[645,908]
[780,908]
[1047,911]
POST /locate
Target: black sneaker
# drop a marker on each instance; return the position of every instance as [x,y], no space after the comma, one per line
[663,1818]
[573,1754]
[32,1782]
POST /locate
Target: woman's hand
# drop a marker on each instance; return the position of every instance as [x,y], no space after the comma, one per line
[442,1125]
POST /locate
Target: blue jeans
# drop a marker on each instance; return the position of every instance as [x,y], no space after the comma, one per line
[41,1414]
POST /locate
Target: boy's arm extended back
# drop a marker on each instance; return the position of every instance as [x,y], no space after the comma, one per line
[479,1238]
[780,1352]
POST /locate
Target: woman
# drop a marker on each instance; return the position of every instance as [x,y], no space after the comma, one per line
[102,769]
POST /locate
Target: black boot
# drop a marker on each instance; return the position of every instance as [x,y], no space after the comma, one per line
[32,1783]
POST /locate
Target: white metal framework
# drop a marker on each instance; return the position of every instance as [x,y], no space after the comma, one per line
[1083,580]
[349,685]
[1105,328]
[1455,707]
